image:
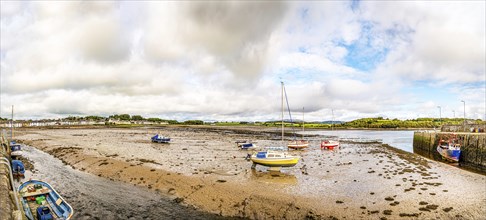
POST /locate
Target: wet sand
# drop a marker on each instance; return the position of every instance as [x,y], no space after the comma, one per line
[203,168]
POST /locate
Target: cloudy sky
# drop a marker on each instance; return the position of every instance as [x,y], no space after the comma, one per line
[225,60]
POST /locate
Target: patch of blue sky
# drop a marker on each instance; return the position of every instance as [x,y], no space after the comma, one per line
[365,53]
[296,75]
[479,84]
[354,5]
[423,91]
[304,13]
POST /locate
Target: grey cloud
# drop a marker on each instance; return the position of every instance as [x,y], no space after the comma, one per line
[234,34]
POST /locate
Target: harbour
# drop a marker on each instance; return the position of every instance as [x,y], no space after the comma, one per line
[202,168]
[326,110]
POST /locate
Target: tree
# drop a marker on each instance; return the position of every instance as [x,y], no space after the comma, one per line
[137,118]
[193,122]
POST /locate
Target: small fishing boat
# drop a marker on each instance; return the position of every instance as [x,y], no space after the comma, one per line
[245,145]
[329,144]
[299,144]
[47,203]
[449,150]
[14,146]
[15,149]
[18,168]
[271,158]
[160,139]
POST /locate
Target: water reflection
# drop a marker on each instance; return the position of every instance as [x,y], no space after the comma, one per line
[398,139]
[270,176]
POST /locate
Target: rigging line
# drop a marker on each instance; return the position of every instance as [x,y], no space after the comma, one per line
[290,114]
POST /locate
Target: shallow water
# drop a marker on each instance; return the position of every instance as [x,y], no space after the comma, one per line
[399,139]
[93,197]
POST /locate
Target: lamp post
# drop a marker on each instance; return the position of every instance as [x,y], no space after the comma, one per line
[464,114]
[454,113]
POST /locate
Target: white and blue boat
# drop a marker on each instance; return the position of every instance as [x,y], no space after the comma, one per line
[245,145]
[15,149]
[47,203]
[449,150]
[160,139]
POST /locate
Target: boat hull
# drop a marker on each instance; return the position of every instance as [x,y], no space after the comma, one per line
[288,162]
[449,154]
[163,141]
[16,153]
[31,193]
[301,144]
[160,139]
[329,144]
[274,159]
[246,145]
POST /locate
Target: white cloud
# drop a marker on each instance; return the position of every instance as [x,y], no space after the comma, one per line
[224,60]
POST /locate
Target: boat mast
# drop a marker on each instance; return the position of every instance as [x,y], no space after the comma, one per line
[282,111]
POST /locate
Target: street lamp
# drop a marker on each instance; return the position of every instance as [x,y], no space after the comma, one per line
[454,113]
[464,114]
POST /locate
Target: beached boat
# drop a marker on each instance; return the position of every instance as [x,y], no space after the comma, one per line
[160,139]
[449,150]
[18,168]
[15,149]
[245,145]
[329,144]
[299,144]
[271,158]
[47,203]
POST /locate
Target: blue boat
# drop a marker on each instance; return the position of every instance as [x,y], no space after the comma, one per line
[18,168]
[47,203]
[245,145]
[449,150]
[15,146]
[160,139]
[15,149]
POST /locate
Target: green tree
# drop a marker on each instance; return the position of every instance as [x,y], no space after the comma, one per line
[137,118]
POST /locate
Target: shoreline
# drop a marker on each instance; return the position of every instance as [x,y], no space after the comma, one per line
[214,177]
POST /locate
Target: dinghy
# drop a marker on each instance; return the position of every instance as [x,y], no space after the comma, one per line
[47,203]
[160,139]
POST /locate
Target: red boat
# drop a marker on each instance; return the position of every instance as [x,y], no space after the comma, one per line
[329,144]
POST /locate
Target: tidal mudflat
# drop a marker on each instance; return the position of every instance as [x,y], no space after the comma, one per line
[203,168]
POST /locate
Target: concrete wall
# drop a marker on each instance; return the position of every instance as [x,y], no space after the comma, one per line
[473,150]
[6,204]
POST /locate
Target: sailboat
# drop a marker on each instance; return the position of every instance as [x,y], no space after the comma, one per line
[299,144]
[275,158]
[330,144]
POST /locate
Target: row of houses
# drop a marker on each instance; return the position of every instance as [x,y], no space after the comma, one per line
[44,123]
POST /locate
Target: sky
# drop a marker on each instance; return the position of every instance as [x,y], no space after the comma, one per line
[224,61]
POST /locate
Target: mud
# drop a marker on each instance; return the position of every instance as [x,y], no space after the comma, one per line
[203,168]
